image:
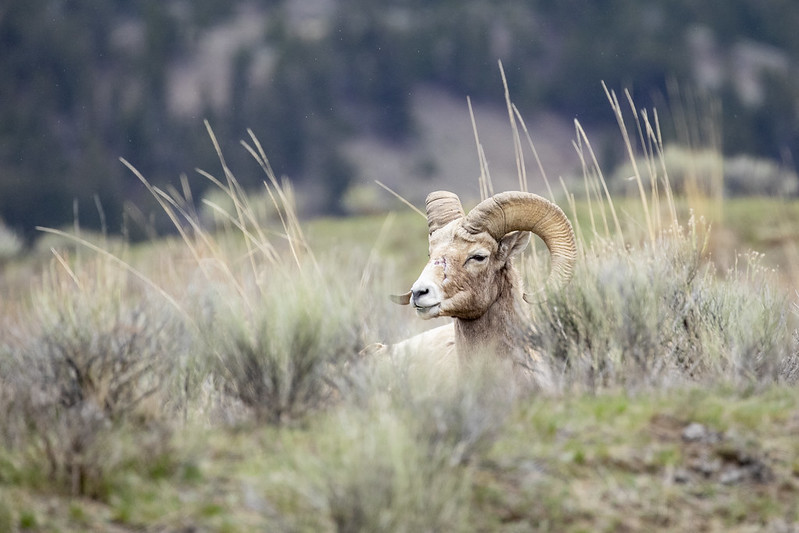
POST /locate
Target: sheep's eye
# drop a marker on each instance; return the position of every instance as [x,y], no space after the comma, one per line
[478,257]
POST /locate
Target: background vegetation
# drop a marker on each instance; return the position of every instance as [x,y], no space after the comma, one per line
[82,83]
[212,378]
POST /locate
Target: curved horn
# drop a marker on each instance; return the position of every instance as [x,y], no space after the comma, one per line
[442,208]
[523,211]
[401,299]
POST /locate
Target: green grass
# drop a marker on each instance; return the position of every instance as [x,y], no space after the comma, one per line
[594,462]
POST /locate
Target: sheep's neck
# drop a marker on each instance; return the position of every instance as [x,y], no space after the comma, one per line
[496,330]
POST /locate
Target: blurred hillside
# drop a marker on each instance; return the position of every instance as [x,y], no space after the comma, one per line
[346,91]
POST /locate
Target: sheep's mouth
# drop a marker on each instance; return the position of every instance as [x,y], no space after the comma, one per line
[430,311]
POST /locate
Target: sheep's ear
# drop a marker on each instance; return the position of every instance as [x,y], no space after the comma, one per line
[401,299]
[513,243]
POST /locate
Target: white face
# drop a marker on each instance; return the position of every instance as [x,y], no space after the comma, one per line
[462,277]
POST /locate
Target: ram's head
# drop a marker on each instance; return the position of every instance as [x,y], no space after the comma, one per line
[471,255]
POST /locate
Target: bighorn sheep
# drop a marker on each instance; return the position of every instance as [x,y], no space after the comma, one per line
[471,277]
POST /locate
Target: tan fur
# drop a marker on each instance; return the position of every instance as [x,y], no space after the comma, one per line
[471,278]
[484,299]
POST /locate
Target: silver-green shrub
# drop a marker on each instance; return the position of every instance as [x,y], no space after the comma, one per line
[371,470]
[660,315]
[92,352]
[747,175]
[279,347]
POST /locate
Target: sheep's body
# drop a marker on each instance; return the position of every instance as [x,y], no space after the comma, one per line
[436,346]
[471,278]
[432,353]
[439,341]
[436,351]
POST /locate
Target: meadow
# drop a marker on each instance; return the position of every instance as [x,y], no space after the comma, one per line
[213,381]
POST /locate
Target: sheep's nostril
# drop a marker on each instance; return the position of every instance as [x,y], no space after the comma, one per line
[424,294]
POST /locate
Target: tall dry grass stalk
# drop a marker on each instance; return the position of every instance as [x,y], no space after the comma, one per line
[698,125]
[270,328]
[270,318]
[646,307]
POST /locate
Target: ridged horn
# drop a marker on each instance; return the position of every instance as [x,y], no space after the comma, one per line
[523,211]
[442,208]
